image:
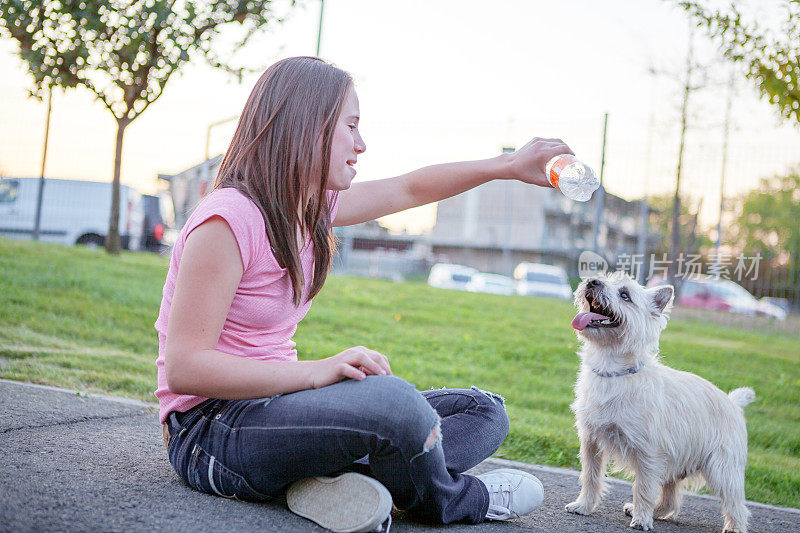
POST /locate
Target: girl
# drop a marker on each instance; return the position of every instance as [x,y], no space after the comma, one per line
[242,417]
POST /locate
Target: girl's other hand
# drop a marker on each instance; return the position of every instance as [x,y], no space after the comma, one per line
[527,163]
[354,363]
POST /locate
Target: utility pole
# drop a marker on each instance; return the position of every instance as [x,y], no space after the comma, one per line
[601,192]
[319,32]
[38,219]
[650,134]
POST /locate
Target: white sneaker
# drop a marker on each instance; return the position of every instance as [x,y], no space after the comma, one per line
[346,503]
[512,493]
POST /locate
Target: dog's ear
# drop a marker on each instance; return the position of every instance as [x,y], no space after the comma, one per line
[662,296]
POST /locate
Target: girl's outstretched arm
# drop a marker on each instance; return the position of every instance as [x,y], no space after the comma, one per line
[369,200]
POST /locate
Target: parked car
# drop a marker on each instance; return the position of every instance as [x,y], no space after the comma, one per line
[491,283]
[782,303]
[537,279]
[707,292]
[698,295]
[767,307]
[73,211]
[159,218]
[449,276]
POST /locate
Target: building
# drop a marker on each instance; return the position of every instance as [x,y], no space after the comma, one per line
[502,223]
[492,227]
[370,250]
[188,187]
[364,249]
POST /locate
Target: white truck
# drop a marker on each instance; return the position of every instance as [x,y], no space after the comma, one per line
[73,211]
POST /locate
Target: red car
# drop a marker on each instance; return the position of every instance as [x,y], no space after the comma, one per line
[700,296]
[706,292]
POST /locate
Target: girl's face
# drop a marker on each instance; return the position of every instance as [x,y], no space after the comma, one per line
[347,144]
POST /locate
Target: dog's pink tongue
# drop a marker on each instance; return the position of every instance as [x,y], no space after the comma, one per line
[582,320]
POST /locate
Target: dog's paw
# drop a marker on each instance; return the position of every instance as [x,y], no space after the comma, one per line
[628,508]
[665,514]
[577,507]
[644,525]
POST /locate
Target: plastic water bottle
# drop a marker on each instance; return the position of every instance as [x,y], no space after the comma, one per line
[573,178]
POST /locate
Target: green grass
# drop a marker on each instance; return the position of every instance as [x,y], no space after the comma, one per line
[80,319]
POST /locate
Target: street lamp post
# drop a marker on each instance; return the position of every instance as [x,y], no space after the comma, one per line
[206,161]
[38,219]
[208,133]
[601,192]
[319,31]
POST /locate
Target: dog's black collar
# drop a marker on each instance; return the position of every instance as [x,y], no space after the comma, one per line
[625,372]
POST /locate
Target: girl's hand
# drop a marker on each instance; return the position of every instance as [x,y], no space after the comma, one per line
[355,363]
[527,163]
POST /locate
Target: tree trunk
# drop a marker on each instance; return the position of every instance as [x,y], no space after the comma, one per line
[692,244]
[675,233]
[112,238]
[675,225]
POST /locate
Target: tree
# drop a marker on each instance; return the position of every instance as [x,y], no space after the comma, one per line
[768,223]
[769,216]
[690,85]
[123,51]
[770,59]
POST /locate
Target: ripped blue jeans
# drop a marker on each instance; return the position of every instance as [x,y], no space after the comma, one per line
[417,444]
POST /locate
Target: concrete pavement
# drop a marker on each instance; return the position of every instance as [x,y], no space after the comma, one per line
[78,462]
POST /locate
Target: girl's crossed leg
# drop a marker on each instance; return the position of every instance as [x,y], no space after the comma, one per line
[417,445]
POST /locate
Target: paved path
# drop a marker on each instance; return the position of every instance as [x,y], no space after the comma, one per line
[76,462]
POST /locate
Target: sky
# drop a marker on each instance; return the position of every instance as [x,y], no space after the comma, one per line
[446,81]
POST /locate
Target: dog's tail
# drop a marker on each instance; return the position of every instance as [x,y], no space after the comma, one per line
[742,396]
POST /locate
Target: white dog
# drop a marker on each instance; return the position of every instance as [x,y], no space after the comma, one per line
[664,426]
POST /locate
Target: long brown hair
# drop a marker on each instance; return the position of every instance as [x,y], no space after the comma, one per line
[279,157]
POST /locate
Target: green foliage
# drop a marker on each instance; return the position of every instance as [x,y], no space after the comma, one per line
[770,59]
[768,223]
[769,216]
[123,51]
[77,318]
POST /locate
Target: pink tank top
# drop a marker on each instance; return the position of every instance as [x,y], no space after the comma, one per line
[262,318]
